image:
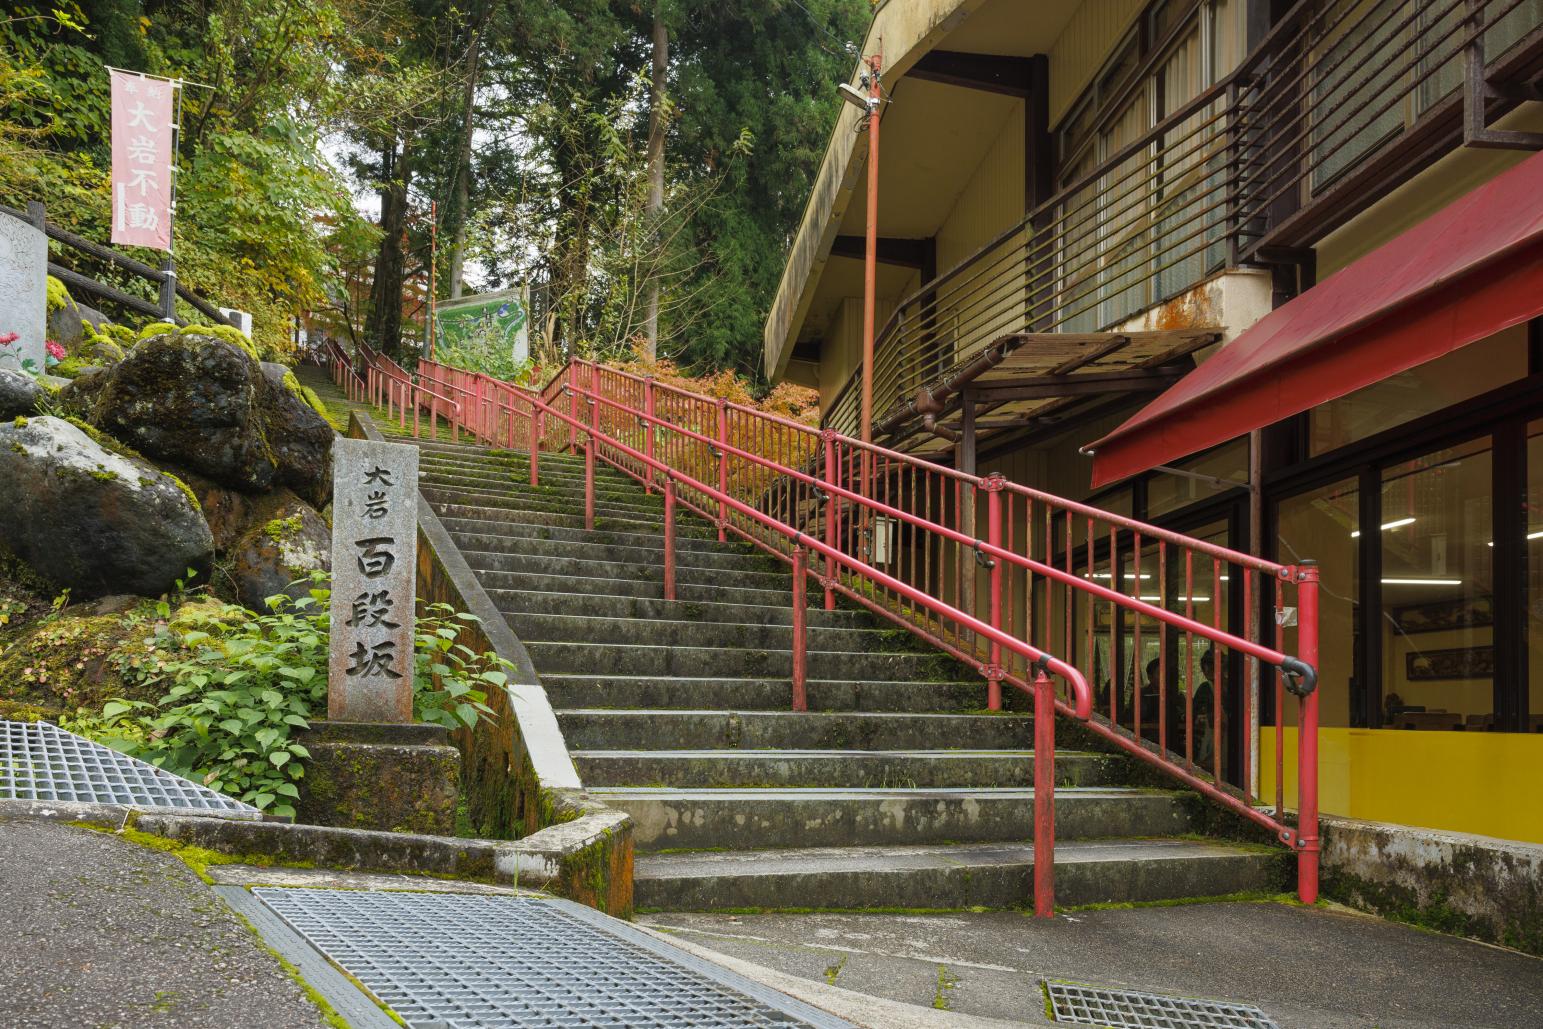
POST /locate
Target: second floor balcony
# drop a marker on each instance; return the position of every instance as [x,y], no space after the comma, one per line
[1183,163]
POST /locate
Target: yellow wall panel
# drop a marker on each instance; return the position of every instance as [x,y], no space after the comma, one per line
[1084,45]
[1476,782]
[992,201]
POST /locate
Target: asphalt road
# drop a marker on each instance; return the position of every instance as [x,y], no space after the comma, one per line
[1306,968]
[98,932]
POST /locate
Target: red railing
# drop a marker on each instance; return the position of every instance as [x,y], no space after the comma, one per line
[1163,625]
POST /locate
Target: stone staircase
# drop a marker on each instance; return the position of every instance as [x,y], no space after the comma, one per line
[894,791]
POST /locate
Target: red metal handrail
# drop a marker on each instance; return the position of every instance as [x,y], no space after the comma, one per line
[791,489]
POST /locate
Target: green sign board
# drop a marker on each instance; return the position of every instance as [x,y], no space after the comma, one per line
[484,320]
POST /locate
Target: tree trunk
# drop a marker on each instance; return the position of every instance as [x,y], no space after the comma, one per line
[384,325]
[656,131]
[463,165]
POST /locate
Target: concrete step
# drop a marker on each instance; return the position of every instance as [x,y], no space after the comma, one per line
[579,565]
[644,540]
[702,819]
[704,661]
[697,633]
[599,605]
[665,692]
[604,729]
[994,875]
[615,496]
[836,769]
[555,480]
[554,502]
[450,506]
[729,562]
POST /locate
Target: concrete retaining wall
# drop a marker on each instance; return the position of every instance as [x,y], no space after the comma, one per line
[1476,886]
[520,782]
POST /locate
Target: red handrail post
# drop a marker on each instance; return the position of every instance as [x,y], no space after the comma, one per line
[669,538]
[573,412]
[800,628]
[832,516]
[589,470]
[1307,738]
[648,432]
[1044,796]
[992,485]
[535,445]
[723,468]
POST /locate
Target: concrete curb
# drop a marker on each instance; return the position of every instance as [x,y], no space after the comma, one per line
[520,780]
[1476,886]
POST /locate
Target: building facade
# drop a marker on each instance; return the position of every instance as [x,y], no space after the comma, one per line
[1287,253]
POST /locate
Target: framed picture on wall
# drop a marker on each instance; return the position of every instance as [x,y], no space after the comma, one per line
[1445,615]
[1451,663]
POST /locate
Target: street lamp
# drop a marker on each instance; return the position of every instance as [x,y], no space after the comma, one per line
[868,101]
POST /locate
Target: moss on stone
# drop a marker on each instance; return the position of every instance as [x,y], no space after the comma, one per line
[58,295]
[105,441]
[67,662]
[186,491]
[281,529]
[20,422]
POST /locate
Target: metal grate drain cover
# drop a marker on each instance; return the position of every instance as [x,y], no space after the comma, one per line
[458,960]
[39,761]
[1126,1009]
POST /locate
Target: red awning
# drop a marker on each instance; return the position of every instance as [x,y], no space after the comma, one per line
[1463,274]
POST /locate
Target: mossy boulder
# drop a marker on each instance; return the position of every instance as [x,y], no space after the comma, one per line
[79,397]
[280,550]
[204,403]
[19,394]
[93,519]
[79,658]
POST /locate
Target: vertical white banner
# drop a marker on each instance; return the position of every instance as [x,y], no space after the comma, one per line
[142,127]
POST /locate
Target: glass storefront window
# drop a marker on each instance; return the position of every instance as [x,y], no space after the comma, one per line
[1461,375]
[1323,525]
[1533,623]
[1168,492]
[1438,606]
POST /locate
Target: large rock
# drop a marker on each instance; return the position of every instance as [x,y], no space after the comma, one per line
[66,326]
[78,399]
[95,521]
[19,394]
[280,550]
[205,404]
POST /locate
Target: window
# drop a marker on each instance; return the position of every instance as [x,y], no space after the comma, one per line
[1532,601]
[1438,590]
[1433,386]
[1168,492]
[1324,525]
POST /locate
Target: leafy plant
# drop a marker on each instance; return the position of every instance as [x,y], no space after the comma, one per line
[240,686]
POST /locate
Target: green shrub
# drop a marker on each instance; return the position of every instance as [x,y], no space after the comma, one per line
[240,685]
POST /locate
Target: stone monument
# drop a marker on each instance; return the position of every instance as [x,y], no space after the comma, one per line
[23,293]
[371,767]
[374,574]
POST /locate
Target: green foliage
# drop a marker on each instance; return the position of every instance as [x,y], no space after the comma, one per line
[58,296]
[239,686]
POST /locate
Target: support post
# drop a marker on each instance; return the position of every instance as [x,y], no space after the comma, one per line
[723,468]
[669,538]
[832,514]
[1307,738]
[800,629]
[589,470]
[169,289]
[993,486]
[648,432]
[1044,796]
[535,444]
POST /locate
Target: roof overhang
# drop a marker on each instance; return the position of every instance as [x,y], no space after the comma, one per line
[908,29]
[1467,272]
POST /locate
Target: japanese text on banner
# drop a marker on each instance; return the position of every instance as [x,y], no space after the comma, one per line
[141,160]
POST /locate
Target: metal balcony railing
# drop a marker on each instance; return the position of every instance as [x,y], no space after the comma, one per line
[1282,143]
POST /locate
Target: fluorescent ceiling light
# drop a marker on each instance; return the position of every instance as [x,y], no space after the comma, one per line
[1531,535]
[1128,575]
[1156,600]
[1398,524]
[1422,582]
